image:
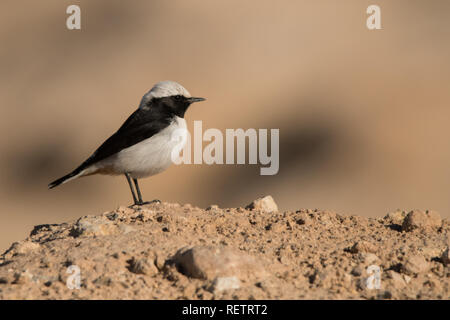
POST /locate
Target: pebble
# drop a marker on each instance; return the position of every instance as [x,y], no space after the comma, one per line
[22,247]
[266,204]
[415,264]
[418,219]
[125,228]
[209,262]
[357,271]
[363,246]
[398,282]
[445,257]
[224,283]
[94,226]
[368,258]
[142,266]
[396,217]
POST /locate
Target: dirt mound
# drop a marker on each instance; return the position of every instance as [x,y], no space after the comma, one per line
[170,251]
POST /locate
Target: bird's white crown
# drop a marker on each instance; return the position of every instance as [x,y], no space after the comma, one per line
[165,89]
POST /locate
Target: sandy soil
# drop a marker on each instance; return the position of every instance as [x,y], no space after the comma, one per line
[172,251]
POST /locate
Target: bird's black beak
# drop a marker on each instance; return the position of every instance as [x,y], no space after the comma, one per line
[194,99]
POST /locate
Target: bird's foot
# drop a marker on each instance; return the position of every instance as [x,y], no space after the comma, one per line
[141,203]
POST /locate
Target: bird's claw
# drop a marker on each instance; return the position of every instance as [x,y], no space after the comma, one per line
[141,203]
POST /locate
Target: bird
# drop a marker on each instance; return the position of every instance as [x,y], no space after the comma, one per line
[143,145]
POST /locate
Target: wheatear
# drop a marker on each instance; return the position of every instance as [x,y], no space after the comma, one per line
[143,145]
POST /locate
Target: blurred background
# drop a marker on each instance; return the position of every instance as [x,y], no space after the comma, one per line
[363,115]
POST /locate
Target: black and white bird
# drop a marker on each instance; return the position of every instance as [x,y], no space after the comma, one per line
[143,145]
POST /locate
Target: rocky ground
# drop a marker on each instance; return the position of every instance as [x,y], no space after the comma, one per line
[172,251]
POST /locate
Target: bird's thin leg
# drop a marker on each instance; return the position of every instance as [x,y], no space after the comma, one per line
[138,191]
[131,188]
[140,195]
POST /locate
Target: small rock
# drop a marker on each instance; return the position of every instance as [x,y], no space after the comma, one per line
[396,217]
[212,207]
[142,266]
[160,261]
[102,281]
[445,257]
[384,295]
[398,282]
[224,283]
[347,279]
[189,290]
[368,258]
[418,219]
[276,227]
[21,248]
[25,276]
[357,220]
[207,262]
[125,210]
[143,215]
[323,278]
[266,204]
[205,295]
[93,226]
[364,247]
[357,271]
[111,215]
[407,278]
[430,252]
[415,264]
[266,284]
[125,228]
[303,218]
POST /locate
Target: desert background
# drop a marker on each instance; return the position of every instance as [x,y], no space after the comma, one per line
[363,115]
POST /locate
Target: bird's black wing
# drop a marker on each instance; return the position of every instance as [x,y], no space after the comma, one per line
[141,125]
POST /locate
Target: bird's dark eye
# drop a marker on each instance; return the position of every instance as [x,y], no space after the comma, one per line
[178,98]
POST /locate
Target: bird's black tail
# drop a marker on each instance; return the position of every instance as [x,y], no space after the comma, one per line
[64,179]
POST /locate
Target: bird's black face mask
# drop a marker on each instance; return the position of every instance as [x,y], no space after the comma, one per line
[175,105]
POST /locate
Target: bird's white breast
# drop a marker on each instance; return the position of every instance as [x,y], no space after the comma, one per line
[150,156]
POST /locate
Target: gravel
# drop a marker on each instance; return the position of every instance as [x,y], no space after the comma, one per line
[173,251]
